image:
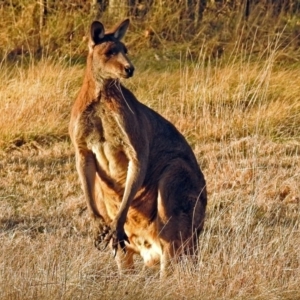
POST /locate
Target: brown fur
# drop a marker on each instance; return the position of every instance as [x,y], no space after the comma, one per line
[141,180]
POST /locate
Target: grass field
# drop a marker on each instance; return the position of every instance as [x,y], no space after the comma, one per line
[241,116]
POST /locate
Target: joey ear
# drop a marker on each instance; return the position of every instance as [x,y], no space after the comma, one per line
[97,32]
[121,29]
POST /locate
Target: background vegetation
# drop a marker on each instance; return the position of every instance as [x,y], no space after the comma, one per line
[226,73]
[52,28]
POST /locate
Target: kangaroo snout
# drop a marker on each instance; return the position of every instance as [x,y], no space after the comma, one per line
[129,70]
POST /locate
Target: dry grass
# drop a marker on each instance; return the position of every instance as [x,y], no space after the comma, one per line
[36,100]
[242,118]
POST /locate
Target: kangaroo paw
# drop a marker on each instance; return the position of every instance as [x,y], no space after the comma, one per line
[101,232]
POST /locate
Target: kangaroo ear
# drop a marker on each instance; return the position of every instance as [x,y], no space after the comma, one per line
[97,32]
[121,30]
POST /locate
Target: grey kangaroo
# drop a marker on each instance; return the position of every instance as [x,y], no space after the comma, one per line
[143,187]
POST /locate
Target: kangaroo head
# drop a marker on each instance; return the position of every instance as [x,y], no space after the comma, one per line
[108,53]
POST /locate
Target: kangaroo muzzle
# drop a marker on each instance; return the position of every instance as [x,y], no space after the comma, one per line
[129,70]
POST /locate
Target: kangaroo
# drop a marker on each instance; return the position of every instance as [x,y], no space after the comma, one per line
[143,187]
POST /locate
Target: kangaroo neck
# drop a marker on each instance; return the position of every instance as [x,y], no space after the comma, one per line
[111,91]
[102,88]
[107,87]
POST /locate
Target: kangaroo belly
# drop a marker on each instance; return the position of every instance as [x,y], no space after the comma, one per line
[112,164]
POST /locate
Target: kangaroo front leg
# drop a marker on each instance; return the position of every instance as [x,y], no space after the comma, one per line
[86,167]
[134,180]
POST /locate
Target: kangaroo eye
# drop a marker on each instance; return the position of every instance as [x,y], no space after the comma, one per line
[125,50]
[111,52]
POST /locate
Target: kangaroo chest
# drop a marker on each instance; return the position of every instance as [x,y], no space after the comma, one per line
[105,137]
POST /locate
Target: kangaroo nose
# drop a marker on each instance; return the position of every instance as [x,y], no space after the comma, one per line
[129,70]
